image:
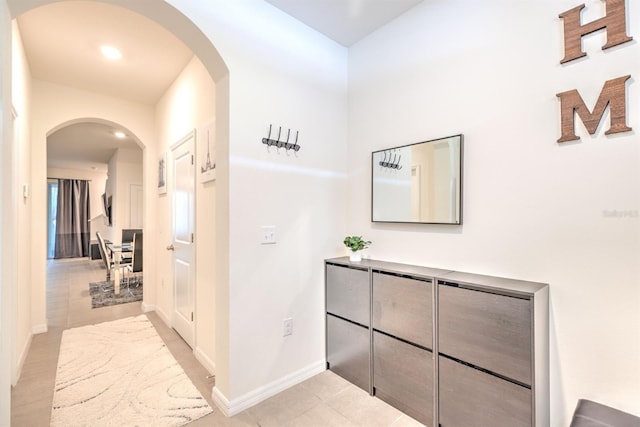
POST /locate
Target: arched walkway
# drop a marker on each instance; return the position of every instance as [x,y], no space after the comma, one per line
[47,118]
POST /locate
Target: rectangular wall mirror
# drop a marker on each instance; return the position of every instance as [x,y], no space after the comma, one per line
[418,183]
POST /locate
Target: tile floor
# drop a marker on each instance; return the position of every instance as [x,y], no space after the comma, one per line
[323,400]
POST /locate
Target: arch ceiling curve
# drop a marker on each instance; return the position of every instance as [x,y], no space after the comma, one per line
[63,140]
[163,14]
[154,51]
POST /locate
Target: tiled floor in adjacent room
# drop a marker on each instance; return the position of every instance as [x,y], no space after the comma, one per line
[324,400]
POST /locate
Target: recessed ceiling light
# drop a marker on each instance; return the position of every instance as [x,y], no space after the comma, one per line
[119,134]
[110,52]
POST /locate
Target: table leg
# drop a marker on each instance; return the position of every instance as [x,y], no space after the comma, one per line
[116,281]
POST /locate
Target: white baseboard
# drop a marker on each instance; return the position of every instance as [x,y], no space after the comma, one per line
[166,319]
[234,407]
[209,364]
[39,329]
[221,401]
[20,362]
[147,307]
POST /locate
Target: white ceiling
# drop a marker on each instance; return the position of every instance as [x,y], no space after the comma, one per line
[345,21]
[62,43]
[63,40]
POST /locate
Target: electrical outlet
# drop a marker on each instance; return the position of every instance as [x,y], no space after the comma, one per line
[268,234]
[287,327]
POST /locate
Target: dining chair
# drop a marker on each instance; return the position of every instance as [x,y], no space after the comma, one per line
[109,262]
[127,238]
[105,254]
[136,260]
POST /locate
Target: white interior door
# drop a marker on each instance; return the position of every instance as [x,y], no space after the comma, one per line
[183,171]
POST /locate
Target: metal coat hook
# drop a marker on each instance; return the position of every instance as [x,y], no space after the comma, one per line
[277,144]
[391,164]
[296,147]
[284,143]
[398,166]
[281,144]
[267,139]
[384,161]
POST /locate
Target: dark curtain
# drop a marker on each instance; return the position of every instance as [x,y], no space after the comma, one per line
[72,219]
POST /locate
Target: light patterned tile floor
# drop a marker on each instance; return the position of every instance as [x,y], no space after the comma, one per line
[323,400]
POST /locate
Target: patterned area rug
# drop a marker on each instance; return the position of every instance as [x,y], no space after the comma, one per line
[99,298]
[121,373]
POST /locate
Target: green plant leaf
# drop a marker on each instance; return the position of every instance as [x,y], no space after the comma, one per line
[356,243]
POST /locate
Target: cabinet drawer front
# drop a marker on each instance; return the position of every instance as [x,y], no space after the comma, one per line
[348,351]
[402,307]
[487,330]
[403,376]
[348,293]
[471,398]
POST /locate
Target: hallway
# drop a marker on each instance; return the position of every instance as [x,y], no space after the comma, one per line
[324,400]
[69,306]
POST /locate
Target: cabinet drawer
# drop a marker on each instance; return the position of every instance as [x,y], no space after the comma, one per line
[471,398]
[487,330]
[402,307]
[348,351]
[348,293]
[403,376]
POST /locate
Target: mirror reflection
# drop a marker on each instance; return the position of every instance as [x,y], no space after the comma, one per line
[418,183]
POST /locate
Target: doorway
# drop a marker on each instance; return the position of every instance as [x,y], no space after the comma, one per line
[164,14]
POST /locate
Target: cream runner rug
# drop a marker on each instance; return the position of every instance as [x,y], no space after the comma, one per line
[121,373]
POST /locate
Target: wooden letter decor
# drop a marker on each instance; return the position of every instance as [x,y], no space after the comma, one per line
[613,94]
[615,23]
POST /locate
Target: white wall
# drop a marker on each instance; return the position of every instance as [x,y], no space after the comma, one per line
[288,76]
[187,105]
[21,206]
[124,170]
[533,209]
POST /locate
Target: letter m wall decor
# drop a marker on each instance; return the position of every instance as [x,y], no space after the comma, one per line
[613,94]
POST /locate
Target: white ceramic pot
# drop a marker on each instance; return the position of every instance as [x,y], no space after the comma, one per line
[355,256]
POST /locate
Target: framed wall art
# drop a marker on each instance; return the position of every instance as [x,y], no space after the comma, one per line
[162,174]
[207,151]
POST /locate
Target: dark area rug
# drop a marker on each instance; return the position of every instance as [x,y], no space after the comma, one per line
[100,298]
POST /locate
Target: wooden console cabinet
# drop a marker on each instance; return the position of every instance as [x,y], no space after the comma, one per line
[450,349]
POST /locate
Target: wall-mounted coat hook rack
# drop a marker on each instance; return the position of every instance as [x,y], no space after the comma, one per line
[281,144]
[392,162]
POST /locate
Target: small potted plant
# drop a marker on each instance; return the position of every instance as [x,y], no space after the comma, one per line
[356,244]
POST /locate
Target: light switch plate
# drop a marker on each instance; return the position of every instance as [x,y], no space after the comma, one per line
[268,235]
[287,327]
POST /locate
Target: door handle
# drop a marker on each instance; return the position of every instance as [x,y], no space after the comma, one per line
[171,248]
